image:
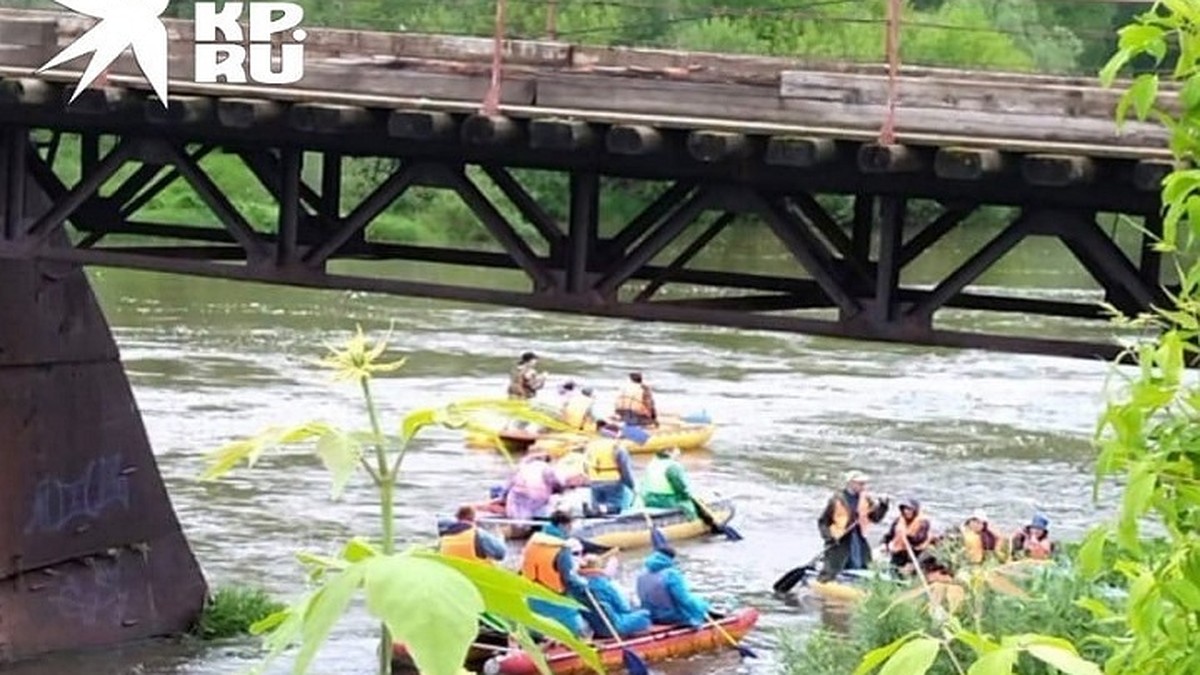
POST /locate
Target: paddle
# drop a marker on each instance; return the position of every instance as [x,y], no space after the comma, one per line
[657,539]
[633,662]
[793,576]
[708,518]
[745,652]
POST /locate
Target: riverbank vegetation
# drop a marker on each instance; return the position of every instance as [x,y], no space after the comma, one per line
[232,610]
[1142,598]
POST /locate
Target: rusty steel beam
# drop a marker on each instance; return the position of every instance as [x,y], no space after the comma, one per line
[883,307]
[583,229]
[933,232]
[809,252]
[658,239]
[526,205]
[371,206]
[651,311]
[970,270]
[685,256]
[655,212]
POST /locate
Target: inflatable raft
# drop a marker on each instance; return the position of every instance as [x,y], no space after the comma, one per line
[492,654]
[626,531]
[684,436]
[848,586]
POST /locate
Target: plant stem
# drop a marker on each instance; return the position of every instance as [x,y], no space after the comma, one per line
[386,482]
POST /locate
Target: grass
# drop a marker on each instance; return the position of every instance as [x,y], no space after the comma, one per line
[232,610]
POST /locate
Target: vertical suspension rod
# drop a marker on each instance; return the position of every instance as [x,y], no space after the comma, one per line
[887,135]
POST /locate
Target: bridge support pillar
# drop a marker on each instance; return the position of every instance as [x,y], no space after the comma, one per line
[91,553]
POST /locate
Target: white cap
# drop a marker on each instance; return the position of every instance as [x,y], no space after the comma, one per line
[979,515]
[856,477]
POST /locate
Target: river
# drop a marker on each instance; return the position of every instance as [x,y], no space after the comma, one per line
[212,360]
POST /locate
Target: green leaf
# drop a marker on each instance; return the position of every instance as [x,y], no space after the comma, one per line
[429,607]
[359,549]
[1189,95]
[1185,592]
[340,454]
[1063,659]
[1099,610]
[914,658]
[1141,95]
[997,662]
[980,644]
[413,422]
[1091,554]
[1115,63]
[874,658]
[507,595]
[327,606]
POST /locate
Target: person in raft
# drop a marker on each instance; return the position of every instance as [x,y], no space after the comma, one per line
[1033,541]
[664,592]
[578,408]
[665,485]
[843,526]
[979,542]
[635,403]
[913,525]
[531,487]
[548,559]
[463,539]
[525,380]
[625,618]
[610,473]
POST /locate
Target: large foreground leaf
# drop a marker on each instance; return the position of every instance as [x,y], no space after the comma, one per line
[431,608]
[507,595]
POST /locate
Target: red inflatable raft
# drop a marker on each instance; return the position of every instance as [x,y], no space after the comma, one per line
[660,643]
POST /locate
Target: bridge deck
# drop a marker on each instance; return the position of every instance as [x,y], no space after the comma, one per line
[936,107]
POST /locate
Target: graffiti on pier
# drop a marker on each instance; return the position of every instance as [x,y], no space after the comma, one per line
[93,598]
[56,503]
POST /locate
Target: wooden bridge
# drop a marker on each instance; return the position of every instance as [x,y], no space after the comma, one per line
[734,136]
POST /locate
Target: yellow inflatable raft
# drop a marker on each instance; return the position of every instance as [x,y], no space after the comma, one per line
[682,436]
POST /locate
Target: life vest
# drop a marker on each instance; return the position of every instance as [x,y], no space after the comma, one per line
[652,590]
[571,467]
[842,517]
[901,528]
[656,482]
[518,385]
[575,412]
[1035,548]
[632,397]
[974,546]
[538,562]
[530,480]
[460,545]
[602,464]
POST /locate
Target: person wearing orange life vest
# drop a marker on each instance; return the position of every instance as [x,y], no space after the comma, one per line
[979,542]
[463,539]
[635,403]
[1033,540]
[843,525]
[610,473]
[912,525]
[577,411]
[548,561]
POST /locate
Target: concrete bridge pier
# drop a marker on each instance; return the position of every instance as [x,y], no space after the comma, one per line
[91,553]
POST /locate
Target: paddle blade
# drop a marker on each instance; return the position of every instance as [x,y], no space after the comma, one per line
[658,539]
[790,578]
[731,534]
[698,418]
[746,652]
[634,663]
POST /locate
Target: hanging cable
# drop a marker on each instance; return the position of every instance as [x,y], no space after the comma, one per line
[887,135]
[491,102]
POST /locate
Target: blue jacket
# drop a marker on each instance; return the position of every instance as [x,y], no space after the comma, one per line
[662,590]
[564,564]
[625,618]
[487,545]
